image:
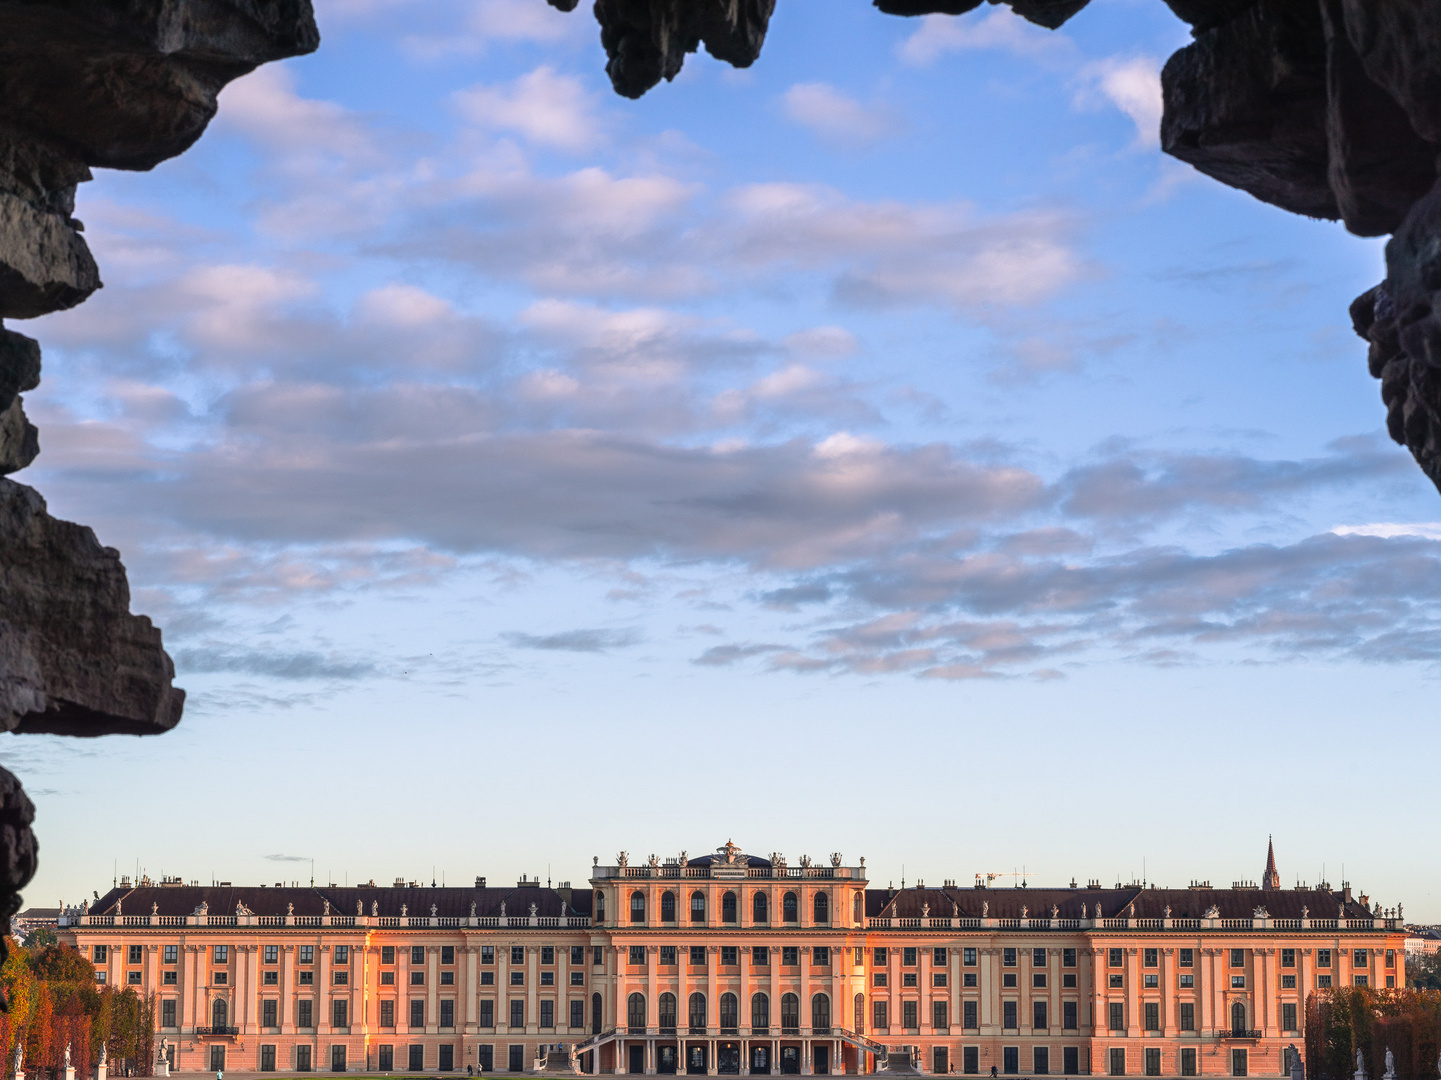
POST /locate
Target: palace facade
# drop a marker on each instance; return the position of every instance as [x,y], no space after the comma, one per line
[735,964]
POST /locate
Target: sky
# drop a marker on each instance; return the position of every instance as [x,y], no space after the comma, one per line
[884,449]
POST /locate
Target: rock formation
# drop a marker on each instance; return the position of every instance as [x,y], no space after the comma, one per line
[1328,108]
[121,84]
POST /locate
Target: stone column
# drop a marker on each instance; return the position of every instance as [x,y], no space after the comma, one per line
[322,993]
[432,989]
[188,976]
[472,990]
[402,1003]
[1133,994]
[287,991]
[924,1025]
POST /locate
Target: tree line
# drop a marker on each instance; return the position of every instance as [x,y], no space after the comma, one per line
[1346,1019]
[54,1000]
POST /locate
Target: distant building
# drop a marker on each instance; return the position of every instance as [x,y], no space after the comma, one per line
[31,919]
[738,964]
[1422,941]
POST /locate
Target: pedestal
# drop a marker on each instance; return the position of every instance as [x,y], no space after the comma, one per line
[70,1072]
[1361,1074]
[162,1067]
[102,1071]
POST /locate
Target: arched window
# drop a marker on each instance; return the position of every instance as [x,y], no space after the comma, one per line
[697,906]
[858,908]
[218,1013]
[728,907]
[759,911]
[790,1013]
[822,907]
[697,1013]
[790,909]
[667,907]
[597,1014]
[599,907]
[860,1018]
[729,1014]
[760,1011]
[635,1011]
[1238,1016]
[821,1014]
[637,906]
[667,1013]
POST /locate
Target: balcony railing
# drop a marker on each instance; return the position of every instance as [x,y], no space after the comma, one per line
[204,1032]
[1238,1033]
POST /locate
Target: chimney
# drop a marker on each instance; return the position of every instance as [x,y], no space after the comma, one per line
[480,883]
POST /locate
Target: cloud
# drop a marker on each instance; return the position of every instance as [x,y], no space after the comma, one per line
[542,107]
[1000,29]
[286,858]
[584,641]
[1426,530]
[275,664]
[725,655]
[1132,85]
[836,116]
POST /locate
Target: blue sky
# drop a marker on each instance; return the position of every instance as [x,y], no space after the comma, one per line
[883,449]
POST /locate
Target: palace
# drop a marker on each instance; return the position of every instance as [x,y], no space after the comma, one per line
[736,964]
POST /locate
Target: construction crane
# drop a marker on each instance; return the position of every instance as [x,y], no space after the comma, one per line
[992,877]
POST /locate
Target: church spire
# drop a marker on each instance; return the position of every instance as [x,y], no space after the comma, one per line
[1270,879]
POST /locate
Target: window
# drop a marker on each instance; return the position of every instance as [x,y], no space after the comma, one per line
[1068,1016]
[971,1060]
[790,1012]
[1008,957]
[1068,958]
[384,1056]
[1288,982]
[1068,980]
[171,950]
[1153,1061]
[860,1013]
[447,1013]
[547,1014]
[387,1014]
[340,1013]
[939,1061]
[487,978]
[696,1012]
[517,978]
[307,954]
[938,978]
[821,907]
[908,1015]
[1390,958]
[517,954]
[167,1013]
[1114,958]
[761,1011]
[1238,1063]
[136,953]
[1188,1061]
[1071,1060]
[1010,1060]
[337,1059]
[667,906]
[268,1010]
[1188,1016]
[667,956]
[1008,979]
[1115,982]
[577,1014]
[447,954]
[417,978]
[821,956]
[790,908]
[908,978]
[759,911]
[220,977]
[1288,1017]
[760,955]
[342,954]
[447,1057]
[968,1015]
[636,957]
[1150,957]
[1238,982]
[101,953]
[1288,958]
[969,978]
[635,1011]
[267,1059]
[1038,957]
[1008,1015]
[1359,958]
[487,1013]
[222,954]
[302,1059]
[133,978]
[697,956]
[908,957]
[1390,982]
[697,907]
[968,957]
[1041,1060]
[417,1057]
[1187,957]
[858,908]
[1117,1012]
[447,978]
[940,1016]
[485,1058]
[517,1012]
[303,1010]
[728,908]
[1238,1016]
[1117,1061]
[729,956]
[880,1018]
[417,1013]
[939,957]
[880,957]
[342,978]
[1361,980]
[729,1012]
[1323,957]
[1152,1012]
[790,955]
[1188,980]
[1323,982]
[517,1058]
[1151,980]
[1238,957]
[599,907]
[1038,1016]
[1038,978]
[666,1004]
[637,906]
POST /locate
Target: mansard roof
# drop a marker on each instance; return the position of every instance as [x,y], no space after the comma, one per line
[1138,902]
[719,860]
[311,900]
